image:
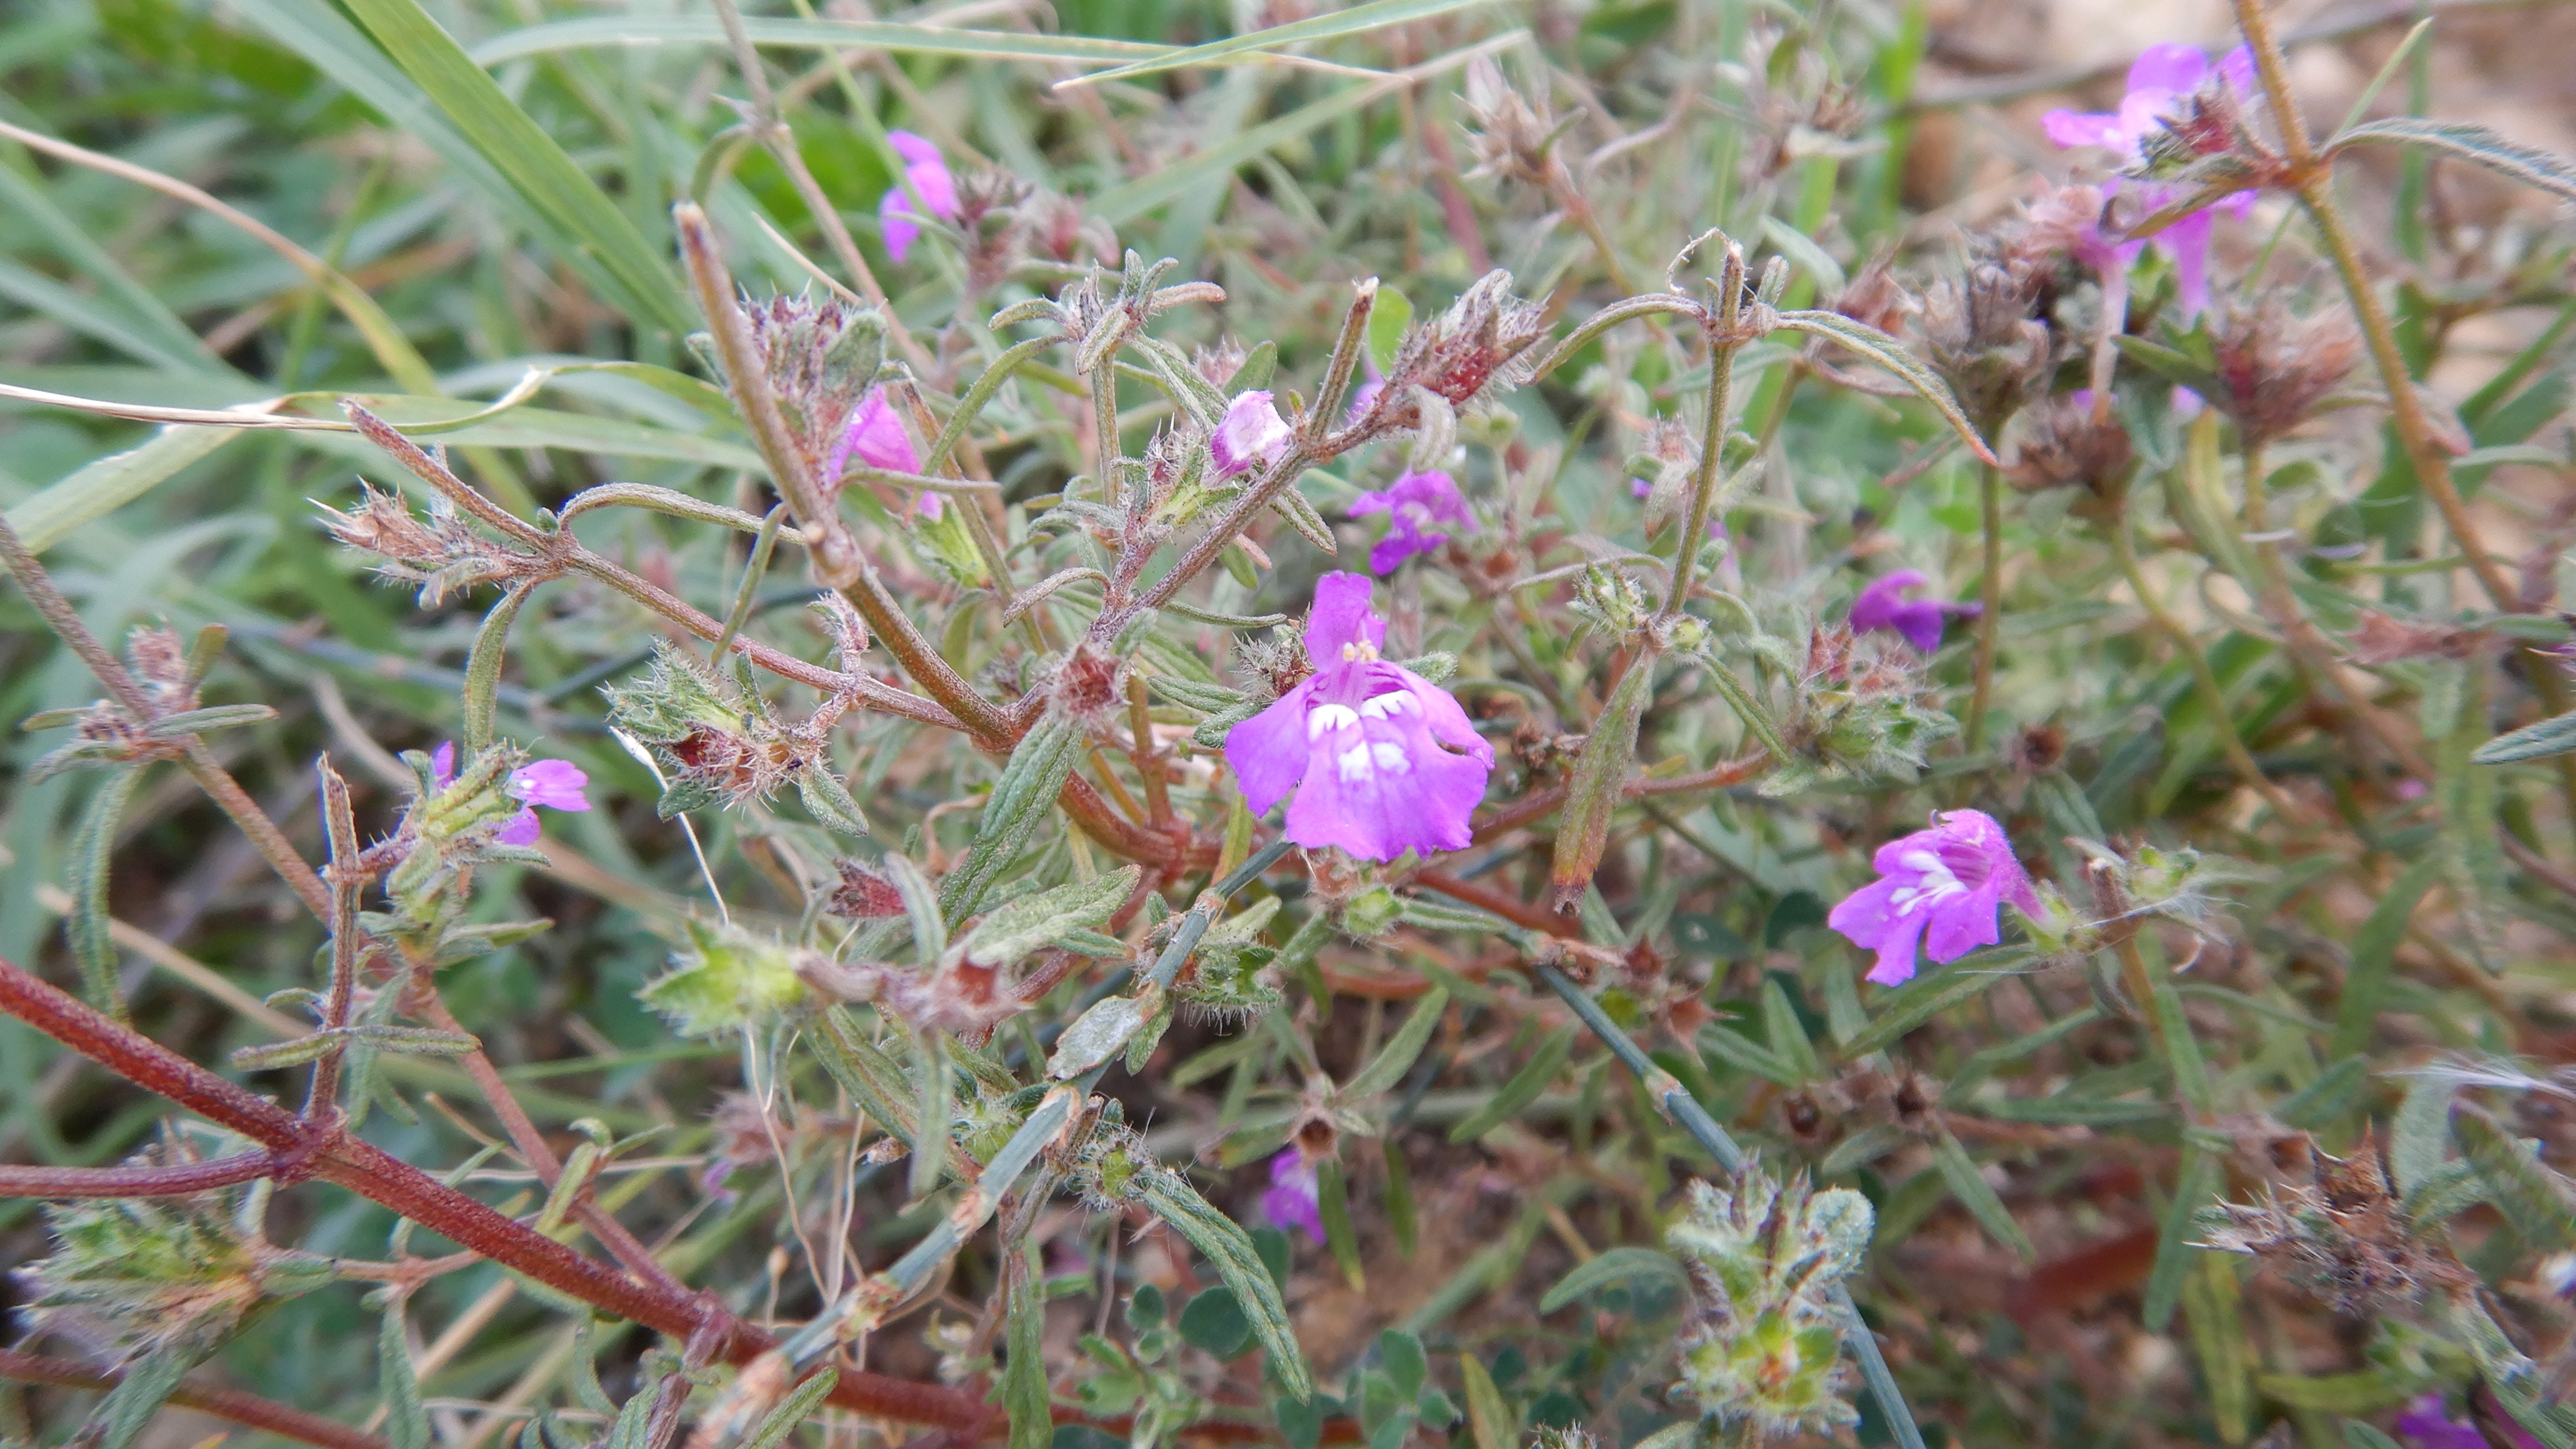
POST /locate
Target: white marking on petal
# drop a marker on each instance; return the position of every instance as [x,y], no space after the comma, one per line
[1325,718]
[1390,757]
[1387,706]
[1933,883]
[1354,762]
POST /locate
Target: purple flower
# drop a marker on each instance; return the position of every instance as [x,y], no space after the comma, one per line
[2163,77]
[1882,605]
[1410,502]
[875,437]
[1290,1201]
[929,176]
[1250,433]
[555,784]
[1943,887]
[1387,760]
[2427,1425]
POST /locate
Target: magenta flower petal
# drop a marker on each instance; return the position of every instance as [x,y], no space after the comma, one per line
[2169,66]
[874,436]
[555,784]
[2187,242]
[1251,432]
[2070,129]
[1883,605]
[1341,620]
[1941,889]
[930,177]
[1382,760]
[1416,499]
[442,764]
[1268,751]
[519,829]
[1293,1199]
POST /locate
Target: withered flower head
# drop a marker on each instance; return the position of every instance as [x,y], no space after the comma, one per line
[864,894]
[2384,639]
[439,553]
[822,357]
[1510,135]
[1982,330]
[2071,444]
[2342,1237]
[1479,346]
[2275,366]
[160,662]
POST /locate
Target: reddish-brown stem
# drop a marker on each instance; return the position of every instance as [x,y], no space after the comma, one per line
[533,1150]
[246,1409]
[1545,802]
[1484,897]
[177,1180]
[325,1151]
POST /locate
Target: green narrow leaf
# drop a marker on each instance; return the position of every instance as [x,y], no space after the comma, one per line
[2477,145]
[1399,1199]
[2328,1098]
[1787,1033]
[86,927]
[2538,1202]
[122,1416]
[871,1077]
[2196,1184]
[534,164]
[1614,1265]
[1750,1057]
[2211,1306]
[1959,1172]
[483,667]
[2556,736]
[1353,21]
[624,31]
[2374,953]
[406,1420]
[1022,926]
[1396,1058]
[104,485]
[800,1404]
[1229,1250]
[1333,1205]
[1026,791]
[1213,165]
[1595,787]
[1489,1420]
[2420,1138]
[1926,997]
[1892,355]
[1523,1088]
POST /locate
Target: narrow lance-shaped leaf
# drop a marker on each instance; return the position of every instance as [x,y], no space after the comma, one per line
[1026,924]
[1021,798]
[1593,790]
[1969,1186]
[87,925]
[2555,736]
[1396,1058]
[1521,1090]
[1024,1375]
[406,1420]
[1229,1249]
[2477,145]
[1889,353]
[1612,1265]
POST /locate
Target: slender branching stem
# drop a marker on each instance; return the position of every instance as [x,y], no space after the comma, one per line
[2205,680]
[1990,601]
[1723,340]
[249,1410]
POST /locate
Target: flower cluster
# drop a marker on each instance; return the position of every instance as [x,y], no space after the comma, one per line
[554,784]
[1767,1257]
[2161,82]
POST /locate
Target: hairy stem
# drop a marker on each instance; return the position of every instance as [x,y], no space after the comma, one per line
[335,1157]
[1990,600]
[249,1410]
[1722,343]
[2204,679]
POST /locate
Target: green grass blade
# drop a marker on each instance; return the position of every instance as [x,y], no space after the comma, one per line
[1354,21]
[518,148]
[636,31]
